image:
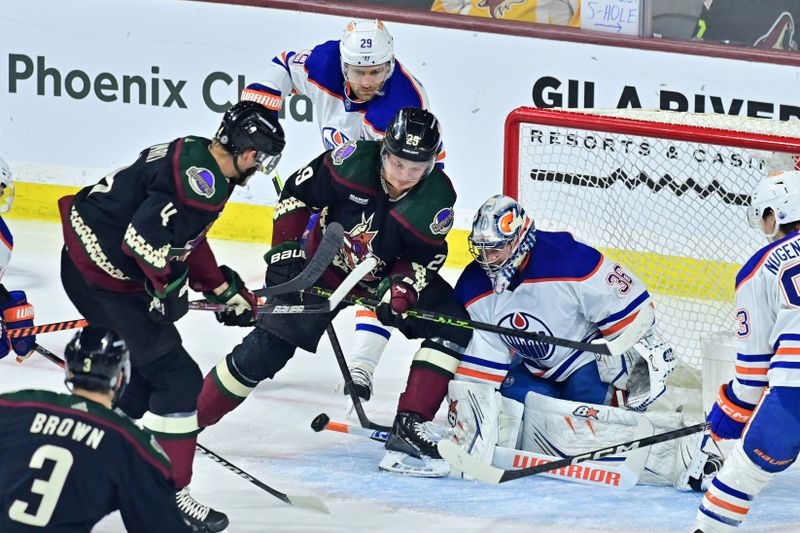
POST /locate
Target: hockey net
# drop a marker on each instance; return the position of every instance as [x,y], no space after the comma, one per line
[663,193]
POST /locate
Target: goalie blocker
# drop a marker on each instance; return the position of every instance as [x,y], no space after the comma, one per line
[489,426]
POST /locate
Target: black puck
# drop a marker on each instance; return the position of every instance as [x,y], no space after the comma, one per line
[319,423]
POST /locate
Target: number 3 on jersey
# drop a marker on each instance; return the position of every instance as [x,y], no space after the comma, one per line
[49,489]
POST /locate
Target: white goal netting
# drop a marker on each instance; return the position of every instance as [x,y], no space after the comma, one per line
[664,193]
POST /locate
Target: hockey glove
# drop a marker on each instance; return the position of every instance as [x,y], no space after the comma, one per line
[284,261]
[242,304]
[17,313]
[173,303]
[729,415]
[397,295]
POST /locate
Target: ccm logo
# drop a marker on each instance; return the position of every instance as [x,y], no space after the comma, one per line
[20,313]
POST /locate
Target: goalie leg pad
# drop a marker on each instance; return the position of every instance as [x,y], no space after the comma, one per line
[474,414]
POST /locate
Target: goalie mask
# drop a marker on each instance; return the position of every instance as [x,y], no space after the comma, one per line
[501,237]
[366,43]
[249,125]
[7,189]
[94,359]
[780,192]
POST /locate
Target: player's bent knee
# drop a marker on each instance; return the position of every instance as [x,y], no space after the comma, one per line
[175,381]
[260,356]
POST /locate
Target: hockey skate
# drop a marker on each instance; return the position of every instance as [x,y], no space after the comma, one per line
[696,466]
[411,450]
[201,518]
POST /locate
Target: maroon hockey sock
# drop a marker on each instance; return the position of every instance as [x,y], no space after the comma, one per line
[425,390]
[213,402]
[181,455]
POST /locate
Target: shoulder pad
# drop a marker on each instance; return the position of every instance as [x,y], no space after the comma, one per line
[428,208]
[356,165]
[198,179]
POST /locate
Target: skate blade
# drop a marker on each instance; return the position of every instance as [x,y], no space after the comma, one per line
[401,463]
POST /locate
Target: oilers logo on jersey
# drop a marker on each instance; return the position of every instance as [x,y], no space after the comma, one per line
[332,137]
[526,348]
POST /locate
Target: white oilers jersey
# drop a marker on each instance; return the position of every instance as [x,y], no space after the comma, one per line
[6,246]
[564,289]
[317,74]
[768,320]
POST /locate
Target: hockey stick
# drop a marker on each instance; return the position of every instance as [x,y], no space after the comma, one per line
[348,383]
[320,261]
[617,346]
[13,333]
[333,298]
[620,475]
[471,466]
[309,502]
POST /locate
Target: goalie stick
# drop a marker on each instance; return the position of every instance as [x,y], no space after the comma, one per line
[620,475]
[326,251]
[632,332]
[308,502]
[471,466]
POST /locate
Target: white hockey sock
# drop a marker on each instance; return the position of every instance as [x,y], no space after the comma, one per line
[731,494]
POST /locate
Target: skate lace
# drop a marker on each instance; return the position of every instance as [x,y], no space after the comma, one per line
[421,434]
[361,377]
[191,507]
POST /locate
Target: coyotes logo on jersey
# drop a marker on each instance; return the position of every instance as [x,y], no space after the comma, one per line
[357,246]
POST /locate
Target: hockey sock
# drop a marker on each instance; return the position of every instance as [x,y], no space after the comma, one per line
[222,392]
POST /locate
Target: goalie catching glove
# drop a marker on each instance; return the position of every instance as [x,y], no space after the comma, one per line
[242,305]
[642,370]
[397,295]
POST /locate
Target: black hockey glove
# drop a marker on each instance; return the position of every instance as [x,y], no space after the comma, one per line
[173,303]
[242,304]
[284,261]
[397,296]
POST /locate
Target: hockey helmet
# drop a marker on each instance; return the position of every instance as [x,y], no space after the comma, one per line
[501,237]
[94,357]
[414,135]
[780,191]
[249,125]
[7,188]
[366,43]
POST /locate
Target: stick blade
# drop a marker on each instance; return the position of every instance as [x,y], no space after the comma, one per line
[308,502]
[461,460]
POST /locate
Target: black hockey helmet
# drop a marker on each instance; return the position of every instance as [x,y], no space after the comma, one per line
[249,125]
[413,134]
[95,356]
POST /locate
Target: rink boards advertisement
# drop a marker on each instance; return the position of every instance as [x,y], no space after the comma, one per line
[87,88]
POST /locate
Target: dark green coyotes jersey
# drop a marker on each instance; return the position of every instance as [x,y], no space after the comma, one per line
[66,462]
[406,235]
[136,219]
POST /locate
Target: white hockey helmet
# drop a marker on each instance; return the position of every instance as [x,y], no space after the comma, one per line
[780,191]
[501,237]
[7,189]
[366,43]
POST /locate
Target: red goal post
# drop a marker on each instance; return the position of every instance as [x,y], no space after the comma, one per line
[663,193]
